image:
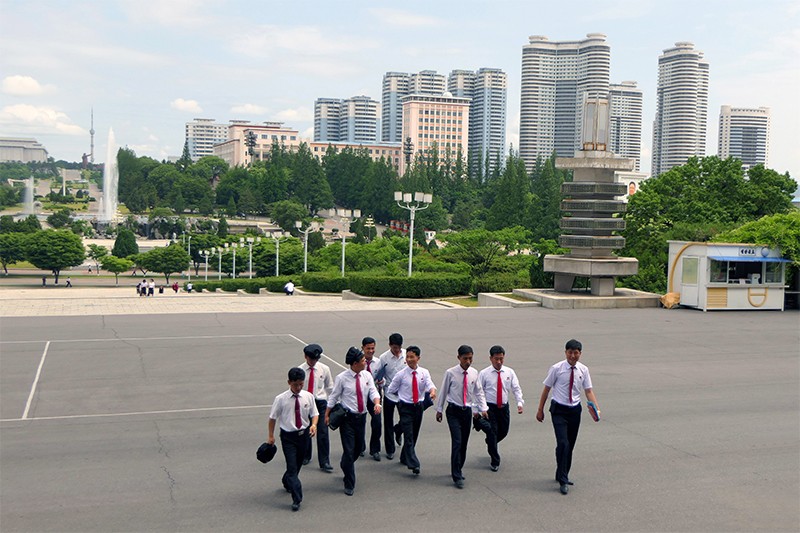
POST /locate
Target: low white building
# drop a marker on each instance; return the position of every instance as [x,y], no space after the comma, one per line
[22,150]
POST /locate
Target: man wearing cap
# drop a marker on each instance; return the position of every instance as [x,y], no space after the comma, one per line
[319,382]
[391,362]
[353,388]
[499,382]
[296,413]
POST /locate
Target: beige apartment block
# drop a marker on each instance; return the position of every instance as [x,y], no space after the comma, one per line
[431,120]
[392,152]
[235,151]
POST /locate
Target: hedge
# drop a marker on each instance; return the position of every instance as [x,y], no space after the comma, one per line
[252,286]
[420,285]
[500,282]
[325,282]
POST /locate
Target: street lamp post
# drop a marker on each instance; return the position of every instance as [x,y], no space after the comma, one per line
[183,239]
[314,226]
[369,223]
[250,241]
[278,236]
[205,254]
[345,217]
[418,202]
[219,269]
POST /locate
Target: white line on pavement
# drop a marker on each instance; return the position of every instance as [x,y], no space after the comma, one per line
[167,411]
[35,382]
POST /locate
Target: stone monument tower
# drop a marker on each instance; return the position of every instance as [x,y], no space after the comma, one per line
[589,205]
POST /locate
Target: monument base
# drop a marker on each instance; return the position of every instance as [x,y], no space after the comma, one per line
[622,299]
[602,272]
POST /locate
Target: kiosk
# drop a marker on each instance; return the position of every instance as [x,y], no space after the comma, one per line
[712,276]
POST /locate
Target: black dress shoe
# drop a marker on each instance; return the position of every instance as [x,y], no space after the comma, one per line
[564,488]
[306,461]
[295,506]
[349,492]
[415,471]
[390,456]
[376,456]
[459,483]
[326,468]
[495,468]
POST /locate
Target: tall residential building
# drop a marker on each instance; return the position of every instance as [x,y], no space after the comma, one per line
[744,134]
[396,85]
[201,136]
[679,129]
[625,127]
[235,150]
[430,120]
[556,75]
[353,120]
[487,112]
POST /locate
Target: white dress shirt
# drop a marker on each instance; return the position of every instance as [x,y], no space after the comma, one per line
[558,381]
[389,366]
[344,390]
[401,384]
[488,378]
[283,410]
[323,380]
[453,388]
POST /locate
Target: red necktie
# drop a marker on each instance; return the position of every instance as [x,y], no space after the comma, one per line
[464,390]
[359,395]
[311,380]
[571,382]
[369,365]
[414,389]
[298,422]
[499,389]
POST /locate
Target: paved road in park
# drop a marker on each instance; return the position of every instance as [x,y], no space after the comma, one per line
[150,422]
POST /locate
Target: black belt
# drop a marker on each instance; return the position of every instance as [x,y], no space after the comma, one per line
[299,432]
[456,406]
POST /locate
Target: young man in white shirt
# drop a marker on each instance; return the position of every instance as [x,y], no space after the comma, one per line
[410,385]
[499,382]
[296,413]
[391,362]
[373,365]
[461,391]
[353,388]
[566,379]
[319,382]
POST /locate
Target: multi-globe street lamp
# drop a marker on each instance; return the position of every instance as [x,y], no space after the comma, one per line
[220,251]
[413,203]
[345,217]
[278,236]
[205,254]
[314,226]
[250,241]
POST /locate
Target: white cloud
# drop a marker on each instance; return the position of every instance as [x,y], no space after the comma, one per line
[186,14]
[23,86]
[25,118]
[268,40]
[190,106]
[249,109]
[295,115]
[307,133]
[404,19]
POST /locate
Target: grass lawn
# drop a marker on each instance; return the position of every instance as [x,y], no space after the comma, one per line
[465,301]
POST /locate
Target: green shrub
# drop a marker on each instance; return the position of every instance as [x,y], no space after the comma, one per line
[500,282]
[420,285]
[325,282]
[251,286]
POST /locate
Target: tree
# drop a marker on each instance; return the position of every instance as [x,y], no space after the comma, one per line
[55,250]
[513,196]
[60,218]
[183,163]
[116,265]
[286,212]
[12,248]
[166,260]
[309,185]
[222,228]
[776,231]
[29,224]
[125,244]
[97,253]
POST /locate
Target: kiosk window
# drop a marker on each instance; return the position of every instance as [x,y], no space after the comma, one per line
[743,270]
[719,271]
[689,271]
[773,273]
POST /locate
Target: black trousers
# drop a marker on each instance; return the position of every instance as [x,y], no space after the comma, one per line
[323,439]
[294,444]
[375,429]
[459,421]
[351,431]
[388,425]
[500,420]
[566,423]
[410,422]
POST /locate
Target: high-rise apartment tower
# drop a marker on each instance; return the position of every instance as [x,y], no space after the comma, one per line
[396,85]
[556,76]
[352,120]
[679,129]
[625,125]
[744,134]
[201,136]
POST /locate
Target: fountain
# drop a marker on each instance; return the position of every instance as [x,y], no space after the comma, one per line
[108,207]
[28,208]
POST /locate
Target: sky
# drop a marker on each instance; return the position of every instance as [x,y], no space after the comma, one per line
[147,67]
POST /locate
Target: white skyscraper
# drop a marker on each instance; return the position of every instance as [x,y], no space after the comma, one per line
[487,112]
[555,77]
[744,134]
[625,128]
[352,120]
[679,129]
[201,136]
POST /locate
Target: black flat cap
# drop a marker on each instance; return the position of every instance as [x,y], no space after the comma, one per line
[266,452]
[314,351]
[353,355]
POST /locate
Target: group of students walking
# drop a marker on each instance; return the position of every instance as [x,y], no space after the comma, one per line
[374,387]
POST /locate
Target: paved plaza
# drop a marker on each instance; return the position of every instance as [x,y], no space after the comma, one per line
[125,414]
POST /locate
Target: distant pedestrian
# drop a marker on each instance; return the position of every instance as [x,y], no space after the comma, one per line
[44,281]
[189,287]
[289,288]
[90,269]
[175,287]
[69,282]
[151,287]
[143,287]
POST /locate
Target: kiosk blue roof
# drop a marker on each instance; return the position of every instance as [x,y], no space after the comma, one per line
[749,259]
